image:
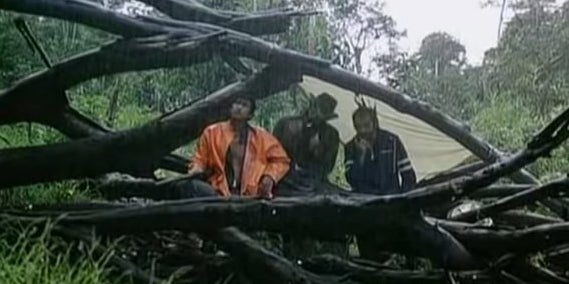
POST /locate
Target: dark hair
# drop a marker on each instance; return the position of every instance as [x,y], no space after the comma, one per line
[364,111]
[326,103]
[251,100]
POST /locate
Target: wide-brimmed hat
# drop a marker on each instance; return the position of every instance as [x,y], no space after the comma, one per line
[327,105]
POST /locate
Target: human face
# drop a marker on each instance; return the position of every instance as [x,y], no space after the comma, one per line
[241,109]
[314,112]
[365,126]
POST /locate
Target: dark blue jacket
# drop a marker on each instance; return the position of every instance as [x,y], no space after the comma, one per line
[385,170]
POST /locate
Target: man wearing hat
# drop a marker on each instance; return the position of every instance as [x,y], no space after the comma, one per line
[310,142]
[312,145]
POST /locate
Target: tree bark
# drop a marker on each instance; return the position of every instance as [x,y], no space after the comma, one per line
[240,44]
[333,265]
[262,265]
[519,199]
[126,150]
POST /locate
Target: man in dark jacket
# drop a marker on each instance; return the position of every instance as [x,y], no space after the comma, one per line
[311,143]
[376,163]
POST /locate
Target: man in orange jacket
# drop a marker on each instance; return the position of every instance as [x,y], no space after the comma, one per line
[237,158]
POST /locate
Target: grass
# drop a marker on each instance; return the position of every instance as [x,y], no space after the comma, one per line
[49,193]
[30,254]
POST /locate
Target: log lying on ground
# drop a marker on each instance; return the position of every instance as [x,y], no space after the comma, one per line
[116,187]
[523,219]
[495,242]
[500,190]
[260,215]
[523,198]
[333,265]
[127,267]
[558,256]
[121,151]
[295,216]
[262,265]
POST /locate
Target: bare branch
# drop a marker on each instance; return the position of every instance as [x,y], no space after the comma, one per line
[519,199]
[262,265]
[84,12]
[238,44]
[296,216]
[376,273]
[264,22]
[118,56]
[126,150]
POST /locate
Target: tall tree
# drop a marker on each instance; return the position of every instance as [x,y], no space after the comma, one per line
[440,51]
[360,30]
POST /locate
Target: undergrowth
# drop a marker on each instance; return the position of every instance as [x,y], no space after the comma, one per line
[30,255]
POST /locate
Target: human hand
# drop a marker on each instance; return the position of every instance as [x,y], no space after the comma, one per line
[266,186]
[363,144]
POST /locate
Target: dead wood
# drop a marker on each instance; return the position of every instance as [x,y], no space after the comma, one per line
[125,150]
[553,189]
[360,273]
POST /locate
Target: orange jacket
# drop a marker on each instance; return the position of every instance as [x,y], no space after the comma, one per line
[264,155]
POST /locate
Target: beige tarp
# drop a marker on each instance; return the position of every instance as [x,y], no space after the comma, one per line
[430,150]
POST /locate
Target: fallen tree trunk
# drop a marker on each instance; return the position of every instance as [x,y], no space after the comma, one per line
[127,267]
[295,216]
[240,44]
[122,151]
[46,88]
[262,265]
[500,190]
[260,23]
[555,188]
[495,242]
[74,125]
[523,219]
[333,265]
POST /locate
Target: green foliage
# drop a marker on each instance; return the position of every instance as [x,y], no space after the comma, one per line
[509,125]
[50,193]
[29,256]
[521,85]
[506,124]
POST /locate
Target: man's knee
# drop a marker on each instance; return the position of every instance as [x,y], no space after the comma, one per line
[201,188]
[192,189]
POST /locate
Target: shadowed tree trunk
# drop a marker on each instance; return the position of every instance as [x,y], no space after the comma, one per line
[192,33]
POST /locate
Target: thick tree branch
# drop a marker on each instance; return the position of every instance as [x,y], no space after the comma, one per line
[126,266]
[494,242]
[553,189]
[523,219]
[239,44]
[116,57]
[264,22]
[541,145]
[123,151]
[407,233]
[75,125]
[454,173]
[262,265]
[333,265]
[84,12]
[500,190]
